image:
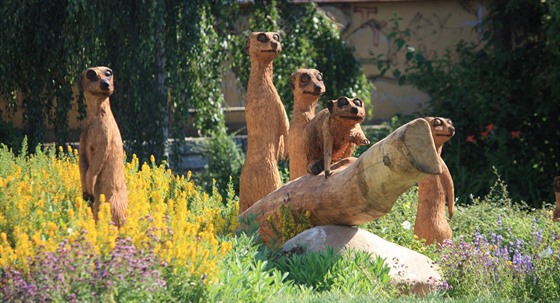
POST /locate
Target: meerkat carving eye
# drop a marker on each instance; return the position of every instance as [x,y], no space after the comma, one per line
[262,38]
[276,37]
[108,73]
[437,122]
[449,121]
[320,77]
[358,102]
[91,75]
[304,78]
[342,102]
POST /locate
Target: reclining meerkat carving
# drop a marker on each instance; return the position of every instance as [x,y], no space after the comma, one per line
[435,191]
[308,86]
[267,122]
[101,154]
[334,133]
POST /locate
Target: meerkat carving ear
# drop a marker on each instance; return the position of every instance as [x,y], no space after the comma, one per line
[293,80]
[330,105]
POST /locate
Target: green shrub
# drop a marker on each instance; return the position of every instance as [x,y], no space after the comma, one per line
[503,96]
[225,160]
[245,276]
[350,273]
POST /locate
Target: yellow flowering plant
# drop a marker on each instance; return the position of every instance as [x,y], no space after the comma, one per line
[41,206]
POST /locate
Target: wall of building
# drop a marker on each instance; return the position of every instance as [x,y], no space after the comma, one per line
[434,27]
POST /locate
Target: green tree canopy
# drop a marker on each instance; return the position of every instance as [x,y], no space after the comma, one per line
[168,56]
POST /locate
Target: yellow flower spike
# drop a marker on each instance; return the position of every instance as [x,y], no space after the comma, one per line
[152,159]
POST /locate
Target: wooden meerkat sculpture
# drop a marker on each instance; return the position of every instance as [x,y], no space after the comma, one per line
[101,157]
[435,191]
[267,122]
[333,134]
[556,188]
[308,86]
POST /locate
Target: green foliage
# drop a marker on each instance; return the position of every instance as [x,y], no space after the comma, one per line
[352,273]
[225,160]
[398,225]
[167,57]
[289,224]
[10,135]
[309,39]
[183,287]
[502,95]
[245,276]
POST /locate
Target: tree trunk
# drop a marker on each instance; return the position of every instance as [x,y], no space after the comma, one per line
[359,190]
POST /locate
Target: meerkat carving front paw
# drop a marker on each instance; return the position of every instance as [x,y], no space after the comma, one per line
[316,168]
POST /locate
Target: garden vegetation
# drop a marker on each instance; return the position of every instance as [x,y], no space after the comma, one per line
[182,244]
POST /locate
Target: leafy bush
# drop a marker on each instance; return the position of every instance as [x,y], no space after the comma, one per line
[351,273]
[502,95]
[225,160]
[246,278]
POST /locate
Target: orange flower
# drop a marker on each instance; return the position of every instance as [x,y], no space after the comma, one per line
[485,134]
[471,139]
[515,133]
[490,127]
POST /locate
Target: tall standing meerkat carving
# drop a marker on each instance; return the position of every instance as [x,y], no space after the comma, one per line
[101,148]
[435,191]
[334,133]
[267,122]
[308,86]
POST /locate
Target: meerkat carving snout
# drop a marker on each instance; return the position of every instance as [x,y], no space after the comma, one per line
[334,133]
[435,191]
[101,155]
[267,122]
[307,86]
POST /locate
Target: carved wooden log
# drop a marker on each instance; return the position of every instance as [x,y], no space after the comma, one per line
[359,190]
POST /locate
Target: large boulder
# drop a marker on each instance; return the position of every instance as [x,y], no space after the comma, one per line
[409,270]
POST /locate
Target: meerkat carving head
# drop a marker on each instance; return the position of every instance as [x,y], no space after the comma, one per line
[346,109]
[442,129]
[264,45]
[307,83]
[98,81]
